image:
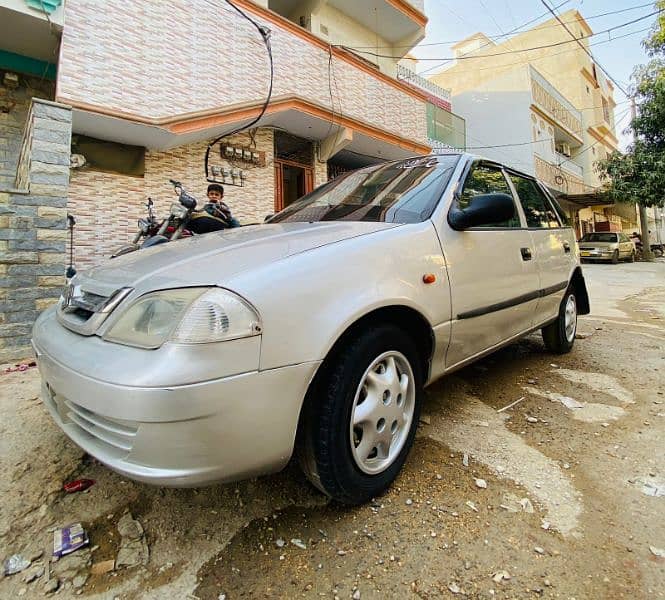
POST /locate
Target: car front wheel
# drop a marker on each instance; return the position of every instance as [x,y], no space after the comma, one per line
[360,419]
[559,336]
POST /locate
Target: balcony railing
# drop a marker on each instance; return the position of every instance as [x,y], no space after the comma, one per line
[407,75]
[129,72]
[602,113]
[548,99]
[555,177]
[46,6]
[445,129]
[569,165]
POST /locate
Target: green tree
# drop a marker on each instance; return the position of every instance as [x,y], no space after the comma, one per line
[638,175]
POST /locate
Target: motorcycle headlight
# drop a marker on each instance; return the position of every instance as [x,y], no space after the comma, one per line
[178,210]
[185,316]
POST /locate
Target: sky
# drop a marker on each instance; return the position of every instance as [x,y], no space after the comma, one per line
[453,20]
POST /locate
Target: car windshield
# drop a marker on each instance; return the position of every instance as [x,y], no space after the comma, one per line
[599,237]
[396,192]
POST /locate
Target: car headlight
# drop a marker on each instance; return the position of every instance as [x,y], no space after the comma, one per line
[185,316]
[178,210]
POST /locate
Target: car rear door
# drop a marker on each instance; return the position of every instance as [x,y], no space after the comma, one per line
[493,277]
[553,243]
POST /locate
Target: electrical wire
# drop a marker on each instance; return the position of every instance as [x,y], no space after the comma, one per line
[586,51]
[523,25]
[619,119]
[548,56]
[519,29]
[265,36]
[482,56]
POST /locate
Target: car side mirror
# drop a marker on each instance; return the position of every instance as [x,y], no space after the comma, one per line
[484,209]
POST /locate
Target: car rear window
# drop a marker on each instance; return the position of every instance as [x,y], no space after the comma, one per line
[396,192]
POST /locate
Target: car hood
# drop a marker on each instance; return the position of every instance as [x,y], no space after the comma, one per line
[215,257]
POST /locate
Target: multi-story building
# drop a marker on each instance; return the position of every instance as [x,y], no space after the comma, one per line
[537,101]
[140,89]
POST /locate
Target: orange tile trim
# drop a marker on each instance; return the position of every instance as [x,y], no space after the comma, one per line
[410,11]
[211,118]
[340,53]
[197,124]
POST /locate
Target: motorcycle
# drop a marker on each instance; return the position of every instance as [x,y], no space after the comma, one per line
[146,227]
[183,221]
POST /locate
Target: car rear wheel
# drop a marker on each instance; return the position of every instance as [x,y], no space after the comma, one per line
[632,256]
[559,336]
[360,419]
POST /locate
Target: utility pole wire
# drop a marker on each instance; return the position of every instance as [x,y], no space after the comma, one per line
[586,51]
[476,56]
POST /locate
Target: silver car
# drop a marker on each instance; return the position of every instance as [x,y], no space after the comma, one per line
[215,358]
[607,246]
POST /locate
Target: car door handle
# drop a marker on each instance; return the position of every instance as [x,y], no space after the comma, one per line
[566,247]
[526,253]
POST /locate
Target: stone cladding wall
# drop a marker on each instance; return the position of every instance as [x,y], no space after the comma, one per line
[33,225]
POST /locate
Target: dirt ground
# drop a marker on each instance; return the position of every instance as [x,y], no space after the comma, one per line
[560,496]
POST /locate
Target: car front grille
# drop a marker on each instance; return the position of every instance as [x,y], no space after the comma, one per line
[83,311]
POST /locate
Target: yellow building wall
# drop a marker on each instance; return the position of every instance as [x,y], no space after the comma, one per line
[562,65]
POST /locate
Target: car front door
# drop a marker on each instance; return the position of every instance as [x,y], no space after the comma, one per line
[493,277]
[554,244]
[625,246]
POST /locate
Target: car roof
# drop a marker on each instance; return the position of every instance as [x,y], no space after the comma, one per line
[441,154]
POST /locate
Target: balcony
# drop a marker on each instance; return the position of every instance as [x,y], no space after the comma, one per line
[137,86]
[436,94]
[547,100]
[603,117]
[30,35]
[569,165]
[396,21]
[558,178]
[445,129]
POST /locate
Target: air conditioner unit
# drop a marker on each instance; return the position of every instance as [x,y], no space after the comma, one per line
[563,148]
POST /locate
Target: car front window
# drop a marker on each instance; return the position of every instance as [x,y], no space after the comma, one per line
[396,192]
[600,237]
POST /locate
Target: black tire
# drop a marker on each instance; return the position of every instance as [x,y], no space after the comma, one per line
[557,337]
[615,257]
[632,256]
[324,442]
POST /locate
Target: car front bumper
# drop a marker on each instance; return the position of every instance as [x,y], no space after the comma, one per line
[597,255]
[195,434]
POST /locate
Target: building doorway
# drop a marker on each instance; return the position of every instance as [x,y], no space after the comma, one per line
[294,169]
[292,181]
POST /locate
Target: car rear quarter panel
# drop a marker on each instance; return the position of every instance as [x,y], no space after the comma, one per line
[308,301]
